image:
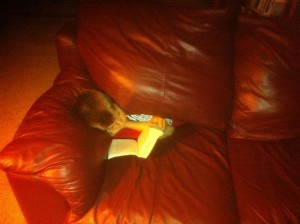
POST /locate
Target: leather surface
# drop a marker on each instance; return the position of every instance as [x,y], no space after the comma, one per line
[186,179]
[267,180]
[66,47]
[267,104]
[171,61]
[39,201]
[54,145]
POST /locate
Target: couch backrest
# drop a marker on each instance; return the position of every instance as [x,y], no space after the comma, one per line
[267,73]
[162,59]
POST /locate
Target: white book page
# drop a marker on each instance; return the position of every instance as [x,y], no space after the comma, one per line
[147,141]
[122,147]
[141,148]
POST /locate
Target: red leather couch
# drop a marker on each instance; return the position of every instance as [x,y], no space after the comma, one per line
[231,80]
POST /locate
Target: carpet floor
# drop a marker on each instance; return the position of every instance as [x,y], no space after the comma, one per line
[28,66]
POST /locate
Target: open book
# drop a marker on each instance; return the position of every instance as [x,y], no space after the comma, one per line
[141,147]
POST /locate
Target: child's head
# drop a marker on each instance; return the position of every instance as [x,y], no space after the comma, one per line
[99,111]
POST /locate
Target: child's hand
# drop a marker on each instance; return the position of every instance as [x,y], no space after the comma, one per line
[161,124]
[158,123]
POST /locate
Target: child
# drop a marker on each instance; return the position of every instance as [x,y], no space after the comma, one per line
[101,112]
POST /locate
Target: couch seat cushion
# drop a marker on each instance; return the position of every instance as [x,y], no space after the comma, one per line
[186,180]
[267,180]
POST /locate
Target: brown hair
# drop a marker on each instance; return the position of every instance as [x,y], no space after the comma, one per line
[95,107]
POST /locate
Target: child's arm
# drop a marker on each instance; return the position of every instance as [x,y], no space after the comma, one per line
[155,122]
[138,126]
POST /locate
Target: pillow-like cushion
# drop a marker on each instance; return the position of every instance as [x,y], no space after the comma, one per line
[153,58]
[55,146]
[267,104]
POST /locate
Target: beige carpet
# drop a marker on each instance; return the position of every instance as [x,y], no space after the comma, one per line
[28,66]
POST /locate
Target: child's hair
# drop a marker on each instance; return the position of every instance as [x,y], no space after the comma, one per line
[95,107]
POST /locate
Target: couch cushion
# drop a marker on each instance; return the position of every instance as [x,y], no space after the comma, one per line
[186,179]
[266,175]
[55,146]
[152,58]
[194,3]
[267,104]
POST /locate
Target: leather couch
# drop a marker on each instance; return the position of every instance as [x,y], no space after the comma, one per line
[231,79]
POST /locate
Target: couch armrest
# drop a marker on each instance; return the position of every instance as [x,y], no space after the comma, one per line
[53,145]
[39,201]
[66,47]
